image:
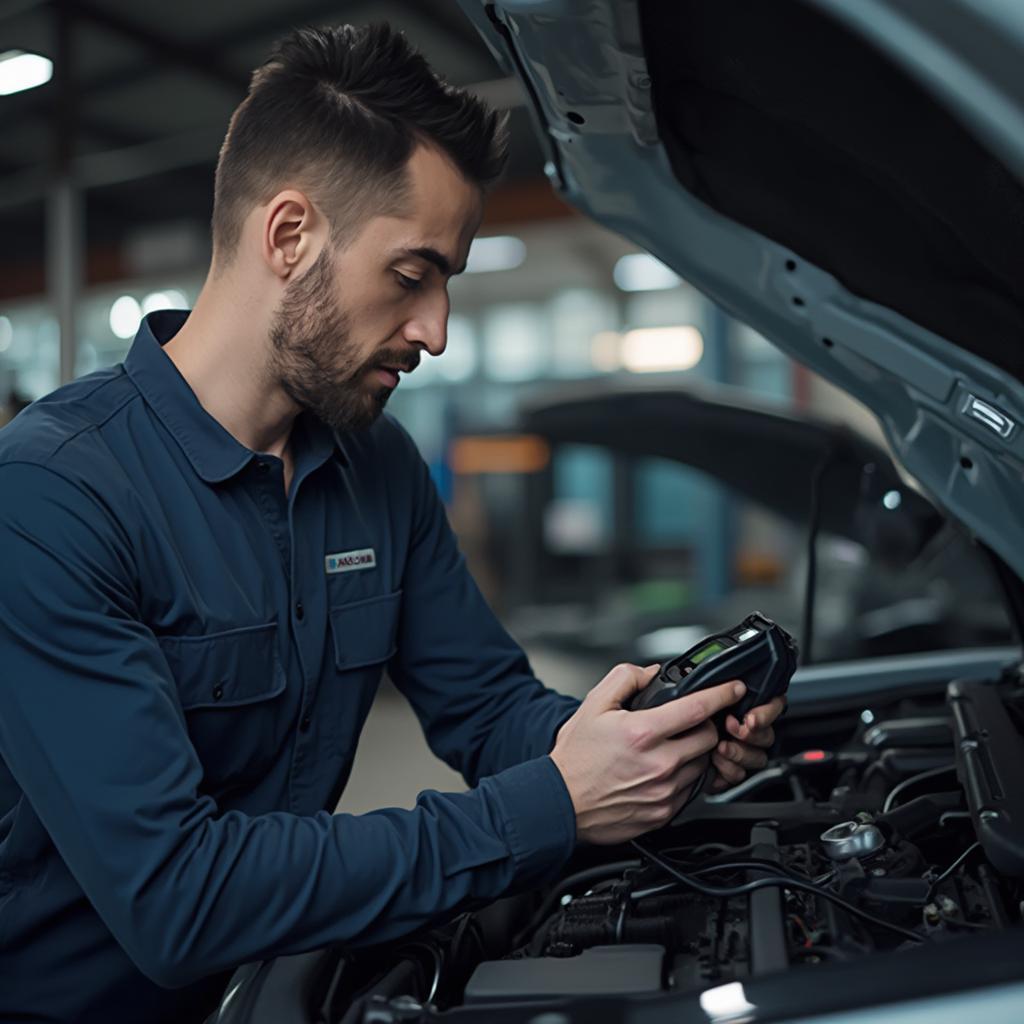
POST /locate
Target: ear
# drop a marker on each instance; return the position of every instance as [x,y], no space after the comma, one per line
[293,234]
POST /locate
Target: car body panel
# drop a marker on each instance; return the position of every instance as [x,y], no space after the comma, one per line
[953,418]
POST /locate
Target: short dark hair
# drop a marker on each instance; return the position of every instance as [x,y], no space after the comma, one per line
[338,111]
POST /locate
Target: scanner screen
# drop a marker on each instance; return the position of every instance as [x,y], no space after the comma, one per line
[707,651]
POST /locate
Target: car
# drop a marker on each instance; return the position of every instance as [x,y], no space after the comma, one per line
[845,178]
[859,562]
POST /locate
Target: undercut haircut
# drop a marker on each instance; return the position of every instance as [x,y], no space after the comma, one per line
[336,113]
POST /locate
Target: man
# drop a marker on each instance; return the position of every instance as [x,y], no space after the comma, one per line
[211,553]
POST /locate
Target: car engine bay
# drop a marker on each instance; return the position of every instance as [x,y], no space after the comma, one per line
[897,832]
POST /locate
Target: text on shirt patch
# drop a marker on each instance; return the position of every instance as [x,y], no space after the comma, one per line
[348,561]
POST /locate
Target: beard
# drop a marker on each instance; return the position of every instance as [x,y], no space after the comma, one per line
[315,359]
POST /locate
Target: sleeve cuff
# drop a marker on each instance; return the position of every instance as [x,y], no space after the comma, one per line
[537,816]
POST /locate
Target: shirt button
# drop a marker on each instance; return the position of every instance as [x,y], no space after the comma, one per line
[306,723]
[218,692]
[263,467]
[300,612]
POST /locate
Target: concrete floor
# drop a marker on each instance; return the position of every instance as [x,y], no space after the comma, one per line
[394,763]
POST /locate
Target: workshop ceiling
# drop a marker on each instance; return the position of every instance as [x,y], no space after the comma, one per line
[153,87]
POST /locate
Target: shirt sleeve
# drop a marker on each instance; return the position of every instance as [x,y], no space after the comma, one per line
[471,685]
[93,732]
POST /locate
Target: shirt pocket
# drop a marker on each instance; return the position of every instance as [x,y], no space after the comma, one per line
[230,685]
[364,632]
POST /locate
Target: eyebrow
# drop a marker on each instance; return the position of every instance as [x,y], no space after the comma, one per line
[438,259]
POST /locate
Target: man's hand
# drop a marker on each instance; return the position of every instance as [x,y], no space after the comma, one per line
[735,756]
[628,772]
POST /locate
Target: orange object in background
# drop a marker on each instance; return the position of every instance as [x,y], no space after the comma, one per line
[515,453]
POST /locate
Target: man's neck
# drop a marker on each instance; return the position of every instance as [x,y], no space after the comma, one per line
[221,352]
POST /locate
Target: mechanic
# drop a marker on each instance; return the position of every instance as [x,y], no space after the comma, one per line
[210,554]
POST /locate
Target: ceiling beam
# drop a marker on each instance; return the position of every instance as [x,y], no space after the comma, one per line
[36,103]
[452,22]
[12,8]
[203,59]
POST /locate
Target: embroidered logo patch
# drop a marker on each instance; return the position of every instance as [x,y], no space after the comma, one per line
[348,561]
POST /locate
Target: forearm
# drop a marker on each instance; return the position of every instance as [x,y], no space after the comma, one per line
[238,888]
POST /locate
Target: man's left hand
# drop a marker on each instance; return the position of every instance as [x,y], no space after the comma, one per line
[743,750]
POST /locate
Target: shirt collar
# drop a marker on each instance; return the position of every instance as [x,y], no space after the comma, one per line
[214,453]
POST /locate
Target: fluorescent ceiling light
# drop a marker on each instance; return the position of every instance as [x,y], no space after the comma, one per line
[125,314]
[20,71]
[641,272]
[655,349]
[498,252]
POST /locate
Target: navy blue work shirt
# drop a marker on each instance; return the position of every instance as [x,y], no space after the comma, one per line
[187,656]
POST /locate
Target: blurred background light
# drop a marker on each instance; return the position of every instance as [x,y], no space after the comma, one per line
[125,314]
[510,454]
[170,299]
[6,333]
[641,272]
[606,351]
[516,344]
[498,252]
[20,71]
[655,349]
[460,357]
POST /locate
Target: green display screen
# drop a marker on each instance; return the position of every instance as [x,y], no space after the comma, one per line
[705,652]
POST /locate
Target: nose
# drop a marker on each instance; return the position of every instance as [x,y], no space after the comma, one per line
[428,328]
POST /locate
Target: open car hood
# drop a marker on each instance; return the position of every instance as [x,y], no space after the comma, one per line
[774,458]
[845,177]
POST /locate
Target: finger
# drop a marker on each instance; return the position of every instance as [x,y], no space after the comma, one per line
[762,738]
[621,683]
[759,737]
[728,770]
[689,777]
[734,727]
[690,774]
[717,784]
[691,746]
[741,754]
[763,715]
[679,715]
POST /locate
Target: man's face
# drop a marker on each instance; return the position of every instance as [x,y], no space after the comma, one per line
[345,329]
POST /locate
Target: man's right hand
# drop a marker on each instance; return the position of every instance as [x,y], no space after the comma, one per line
[628,772]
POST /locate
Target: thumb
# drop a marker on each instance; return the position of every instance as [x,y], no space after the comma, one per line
[622,683]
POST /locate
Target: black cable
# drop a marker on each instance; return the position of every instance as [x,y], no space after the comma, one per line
[932,773]
[695,792]
[781,882]
[741,865]
[748,862]
[952,867]
[828,952]
[695,851]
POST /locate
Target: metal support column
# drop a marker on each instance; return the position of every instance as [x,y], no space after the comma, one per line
[65,236]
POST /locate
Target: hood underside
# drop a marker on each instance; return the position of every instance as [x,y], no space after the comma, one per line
[846,178]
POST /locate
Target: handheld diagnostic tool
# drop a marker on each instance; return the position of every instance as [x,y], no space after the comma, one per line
[757,651]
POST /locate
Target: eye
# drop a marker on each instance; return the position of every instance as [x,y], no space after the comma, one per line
[410,284]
